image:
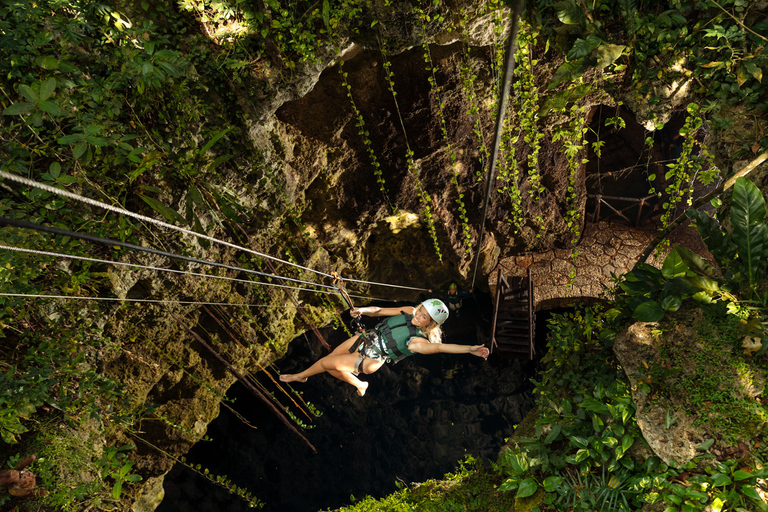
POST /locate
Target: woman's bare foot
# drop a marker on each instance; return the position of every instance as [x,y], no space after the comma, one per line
[362,388]
[292,377]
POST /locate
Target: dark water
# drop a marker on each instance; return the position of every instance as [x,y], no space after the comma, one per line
[418,419]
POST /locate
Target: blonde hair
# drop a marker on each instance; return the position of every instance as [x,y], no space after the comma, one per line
[434,333]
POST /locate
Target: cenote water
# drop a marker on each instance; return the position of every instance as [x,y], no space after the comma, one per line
[418,419]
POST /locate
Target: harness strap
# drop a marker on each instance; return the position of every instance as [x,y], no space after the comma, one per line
[359,363]
[391,343]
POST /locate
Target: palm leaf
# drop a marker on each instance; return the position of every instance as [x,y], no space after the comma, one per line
[750,234]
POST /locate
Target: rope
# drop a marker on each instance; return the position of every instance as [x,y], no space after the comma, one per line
[109,241]
[92,202]
[385,284]
[36,296]
[147,267]
[114,209]
[509,65]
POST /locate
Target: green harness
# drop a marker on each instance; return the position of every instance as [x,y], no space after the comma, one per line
[395,333]
[388,340]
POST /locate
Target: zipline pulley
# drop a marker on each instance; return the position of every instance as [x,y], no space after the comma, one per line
[356,324]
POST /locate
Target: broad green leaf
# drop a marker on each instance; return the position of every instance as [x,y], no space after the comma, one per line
[648,311]
[54,169]
[18,108]
[97,141]
[552,436]
[169,68]
[551,483]
[527,488]
[750,234]
[672,303]
[568,72]
[135,155]
[719,479]
[673,266]
[706,445]
[117,489]
[28,93]
[695,262]
[519,463]
[561,99]
[741,475]
[608,53]
[579,456]
[47,88]
[69,139]
[569,12]
[510,484]
[79,149]
[750,492]
[753,70]
[578,441]
[50,107]
[583,47]
[66,180]
[626,442]
[169,213]
[49,62]
[699,283]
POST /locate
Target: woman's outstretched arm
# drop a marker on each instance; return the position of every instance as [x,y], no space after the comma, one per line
[424,347]
[377,311]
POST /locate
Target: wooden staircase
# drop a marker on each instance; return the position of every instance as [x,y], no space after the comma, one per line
[512,330]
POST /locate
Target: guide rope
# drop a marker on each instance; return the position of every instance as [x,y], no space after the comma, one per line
[159,301]
[115,209]
[186,272]
[109,241]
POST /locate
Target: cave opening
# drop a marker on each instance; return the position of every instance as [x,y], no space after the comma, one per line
[625,161]
[419,418]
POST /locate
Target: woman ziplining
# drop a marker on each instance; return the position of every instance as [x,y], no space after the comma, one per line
[407,331]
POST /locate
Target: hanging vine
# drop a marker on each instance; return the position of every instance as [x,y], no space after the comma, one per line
[468,78]
[508,174]
[360,123]
[688,167]
[424,197]
[528,98]
[440,105]
[573,137]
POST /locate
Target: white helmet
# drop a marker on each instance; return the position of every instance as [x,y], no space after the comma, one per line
[436,309]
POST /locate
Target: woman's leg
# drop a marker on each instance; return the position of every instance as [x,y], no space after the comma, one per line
[350,378]
[340,359]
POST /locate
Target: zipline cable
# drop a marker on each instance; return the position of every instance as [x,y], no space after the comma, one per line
[509,68]
[109,241]
[385,284]
[115,209]
[159,301]
[186,272]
